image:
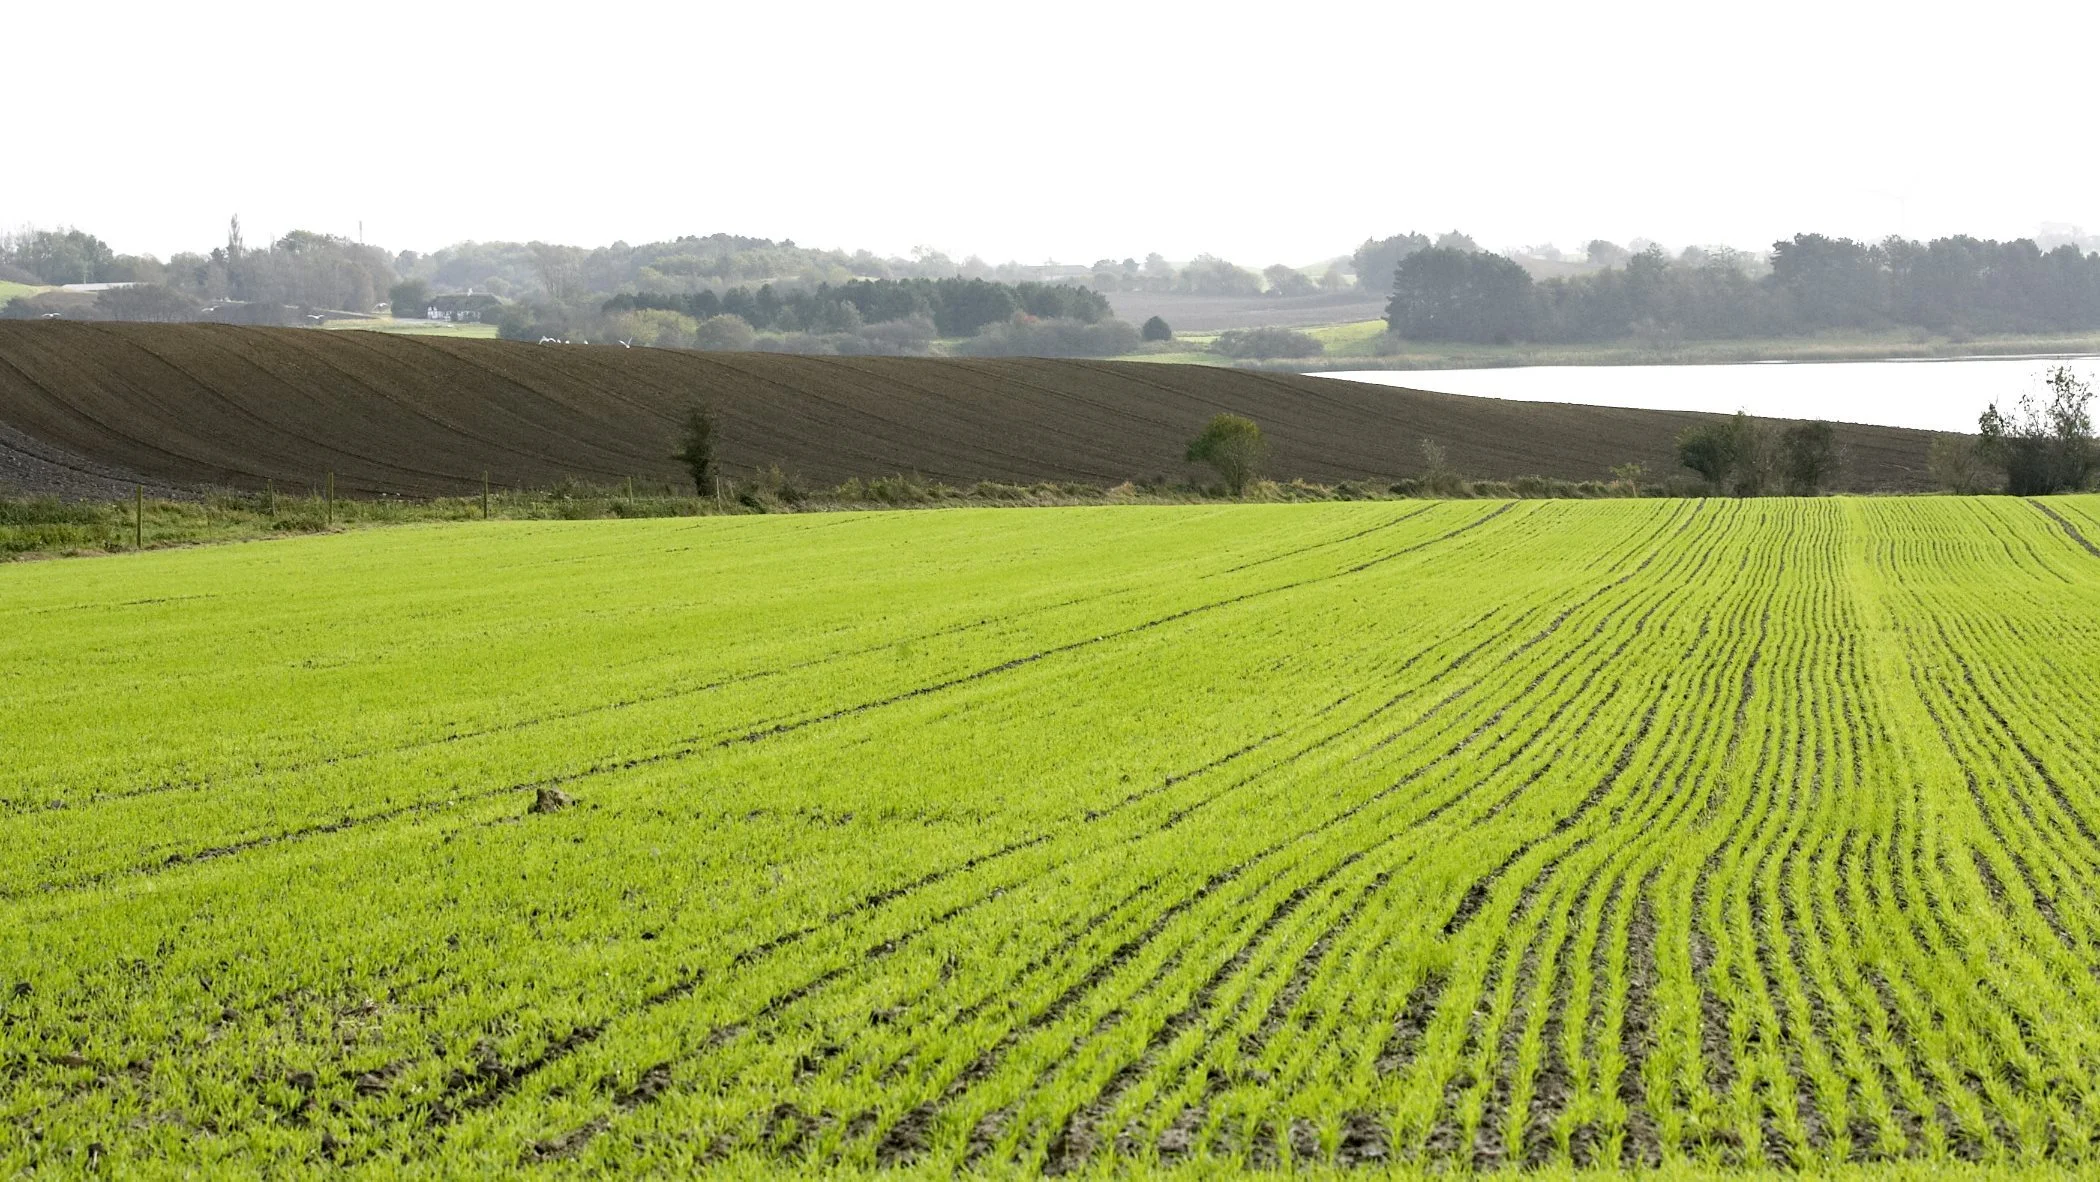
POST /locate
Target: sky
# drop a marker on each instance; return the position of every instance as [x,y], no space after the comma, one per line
[1067,132]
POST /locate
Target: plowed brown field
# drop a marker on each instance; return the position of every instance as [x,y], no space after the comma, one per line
[194,405]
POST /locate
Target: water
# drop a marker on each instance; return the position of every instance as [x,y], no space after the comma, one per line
[1931,394]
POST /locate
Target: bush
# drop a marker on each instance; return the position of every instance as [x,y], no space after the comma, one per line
[2043,449]
[531,322]
[1957,465]
[724,334]
[1156,329]
[900,490]
[146,302]
[697,446]
[911,336]
[1264,343]
[1233,447]
[784,487]
[1438,478]
[49,511]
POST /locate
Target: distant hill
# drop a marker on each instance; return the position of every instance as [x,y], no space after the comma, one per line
[85,409]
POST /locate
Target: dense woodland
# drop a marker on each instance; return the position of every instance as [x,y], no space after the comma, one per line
[1808,284]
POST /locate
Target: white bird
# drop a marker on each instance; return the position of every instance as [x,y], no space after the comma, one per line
[628,343]
[549,341]
[313,316]
[49,316]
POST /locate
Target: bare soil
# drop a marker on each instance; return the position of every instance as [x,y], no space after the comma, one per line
[90,408]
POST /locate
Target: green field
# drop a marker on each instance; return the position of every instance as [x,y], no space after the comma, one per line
[416,328]
[1452,835]
[9,291]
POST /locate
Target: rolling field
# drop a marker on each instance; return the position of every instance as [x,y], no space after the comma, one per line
[87,409]
[1522,834]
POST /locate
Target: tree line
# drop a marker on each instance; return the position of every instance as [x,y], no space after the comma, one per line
[274,283]
[1813,283]
[957,307]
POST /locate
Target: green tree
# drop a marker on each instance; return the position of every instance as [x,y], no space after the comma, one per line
[1285,280]
[1605,253]
[1808,457]
[65,256]
[1709,450]
[724,333]
[1156,329]
[2043,449]
[1737,455]
[1207,274]
[1233,447]
[1756,456]
[408,299]
[1455,295]
[698,452]
[1376,259]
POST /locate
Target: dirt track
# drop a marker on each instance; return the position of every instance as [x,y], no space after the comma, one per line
[218,405]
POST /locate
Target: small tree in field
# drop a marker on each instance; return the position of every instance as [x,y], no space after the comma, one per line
[1709,450]
[698,454]
[1808,457]
[1156,329]
[1756,466]
[1439,478]
[1956,465]
[1629,476]
[1234,448]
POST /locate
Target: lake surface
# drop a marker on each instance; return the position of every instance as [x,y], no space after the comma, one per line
[1934,395]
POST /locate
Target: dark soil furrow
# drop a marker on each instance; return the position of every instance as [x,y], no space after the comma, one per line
[1476,895]
[2067,525]
[1080,1137]
[1642,1146]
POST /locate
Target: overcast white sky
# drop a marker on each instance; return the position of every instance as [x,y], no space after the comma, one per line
[1067,131]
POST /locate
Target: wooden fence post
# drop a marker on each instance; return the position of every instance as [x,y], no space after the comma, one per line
[331,498]
[484,494]
[138,518]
